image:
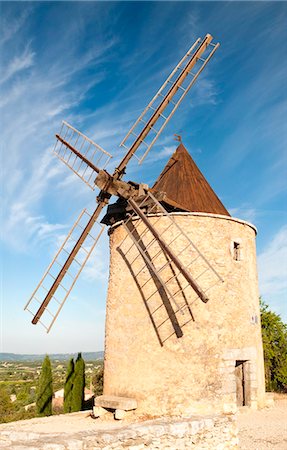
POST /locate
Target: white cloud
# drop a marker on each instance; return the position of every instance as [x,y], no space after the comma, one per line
[97,266]
[48,229]
[205,91]
[244,212]
[163,153]
[21,222]
[272,267]
[29,172]
[13,94]
[11,25]
[18,64]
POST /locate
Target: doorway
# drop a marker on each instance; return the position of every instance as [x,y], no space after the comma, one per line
[242,383]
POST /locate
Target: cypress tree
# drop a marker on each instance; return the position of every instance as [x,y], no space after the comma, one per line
[79,384]
[68,388]
[45,389]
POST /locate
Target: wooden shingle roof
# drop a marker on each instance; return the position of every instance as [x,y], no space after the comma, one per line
[186,187]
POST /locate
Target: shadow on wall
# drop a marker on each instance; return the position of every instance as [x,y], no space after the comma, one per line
[166,318]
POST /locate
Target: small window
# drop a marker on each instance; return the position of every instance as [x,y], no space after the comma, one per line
[236,251]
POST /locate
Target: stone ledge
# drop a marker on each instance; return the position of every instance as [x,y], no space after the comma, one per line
[114,402]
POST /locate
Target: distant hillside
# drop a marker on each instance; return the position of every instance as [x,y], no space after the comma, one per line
[88,356]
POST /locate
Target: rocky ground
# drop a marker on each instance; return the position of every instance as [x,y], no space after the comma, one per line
[265,429]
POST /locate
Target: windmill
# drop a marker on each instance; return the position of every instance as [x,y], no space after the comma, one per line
[88,160]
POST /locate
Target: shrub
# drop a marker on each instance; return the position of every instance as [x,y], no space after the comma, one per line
[274,336]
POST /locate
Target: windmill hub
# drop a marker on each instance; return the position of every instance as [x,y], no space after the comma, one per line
[122,189]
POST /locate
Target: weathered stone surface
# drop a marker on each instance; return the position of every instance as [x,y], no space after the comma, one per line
[75,445]
[199,433]
[115,402]
[98,411]
[53,446]
[119,414]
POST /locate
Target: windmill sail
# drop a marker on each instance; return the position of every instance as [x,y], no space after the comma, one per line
[56,284]
[159,111]
[82,155]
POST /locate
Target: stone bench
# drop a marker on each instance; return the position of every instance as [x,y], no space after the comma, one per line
[120,405]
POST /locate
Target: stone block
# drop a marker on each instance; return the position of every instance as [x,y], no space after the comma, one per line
[75,444]
[179,429]
[115,402]
[119,414]
[229,408]
[6,444]
[254,404]
[98,411]
[136,447]
[53,447]
[229,387]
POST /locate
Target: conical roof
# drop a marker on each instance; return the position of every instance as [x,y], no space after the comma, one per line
[186,187]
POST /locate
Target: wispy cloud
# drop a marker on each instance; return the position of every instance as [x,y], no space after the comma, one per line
[97,266]
[244,212]
[20,213]
[205,91]
[163,152]
[272,267]
[34,102]
[18,64]
[11,25]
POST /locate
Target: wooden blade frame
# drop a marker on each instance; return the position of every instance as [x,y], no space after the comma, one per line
[167,99]
[65,267]
[82,155]
[160,284]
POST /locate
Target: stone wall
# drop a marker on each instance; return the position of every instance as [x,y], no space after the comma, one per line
[195,373]
[199,433]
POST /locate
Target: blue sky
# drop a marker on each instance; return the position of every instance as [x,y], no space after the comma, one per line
[97,65]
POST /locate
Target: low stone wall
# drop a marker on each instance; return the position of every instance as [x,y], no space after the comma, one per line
[199,433]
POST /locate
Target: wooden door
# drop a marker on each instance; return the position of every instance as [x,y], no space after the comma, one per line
[240,383]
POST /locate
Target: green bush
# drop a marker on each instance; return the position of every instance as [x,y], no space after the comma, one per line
[274,336]
[98,381]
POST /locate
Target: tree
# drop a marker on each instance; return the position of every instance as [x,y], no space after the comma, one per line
[79,384]
[274,336]
[98,381]
[6,406]
[45,389]
[68,388]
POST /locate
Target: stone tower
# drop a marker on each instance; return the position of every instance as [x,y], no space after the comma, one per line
[216,362]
